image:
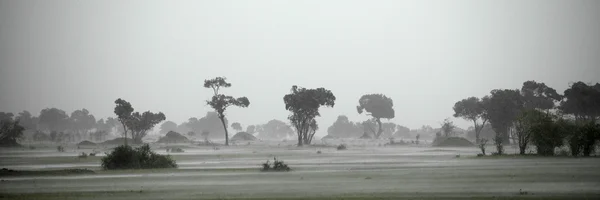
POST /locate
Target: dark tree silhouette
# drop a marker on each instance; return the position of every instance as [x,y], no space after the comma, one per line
[123,110]
[10,130]
[304,107]
[582,101]
[538,96]
[221,102]
[472,109]
[54,119]
[502,110]
[82,121]
[377,106]
[140,124]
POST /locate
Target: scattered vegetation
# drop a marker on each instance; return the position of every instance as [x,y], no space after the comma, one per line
[277,166]
[82,155]
[341,147]
[60,148]
[175,150]
[126,157]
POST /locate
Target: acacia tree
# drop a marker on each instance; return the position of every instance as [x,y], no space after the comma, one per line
[123,111]
[220,102]
[140,124]
[82,121]
[304,107]
[377,106]
[53,119]
[236,126]
[472,109]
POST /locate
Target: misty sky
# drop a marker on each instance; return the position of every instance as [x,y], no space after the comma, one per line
[426,55]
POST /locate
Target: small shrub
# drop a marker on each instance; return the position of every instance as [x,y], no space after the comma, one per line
[341,147]
[31,147]
[318,152]
[278,166]
[82,155]
[177,150]
[93,154]
[126,157]
[60,149]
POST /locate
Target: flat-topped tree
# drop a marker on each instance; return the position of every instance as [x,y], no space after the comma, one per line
[123,111]
[221,102]
[377,106]
[472,109]
[140,124]
[304,107]
[236,126]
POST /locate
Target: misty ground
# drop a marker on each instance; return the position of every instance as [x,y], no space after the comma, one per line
[361,172]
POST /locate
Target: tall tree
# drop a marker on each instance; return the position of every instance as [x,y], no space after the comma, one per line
[54,119]
[10,131]
[167,126]
[502,110]
[538,96]
[81,121]
[236,126]
[472,109]
[582,101]
[123,110]
[221,102]
[28,121]
[377,106]
[304,107]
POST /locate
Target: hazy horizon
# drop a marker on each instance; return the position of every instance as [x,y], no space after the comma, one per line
[424,55]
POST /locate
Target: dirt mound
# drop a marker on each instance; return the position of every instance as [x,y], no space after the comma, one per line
[451,142]
[117,141]
[173,137]
[243,136]
[86,143]
[366,136]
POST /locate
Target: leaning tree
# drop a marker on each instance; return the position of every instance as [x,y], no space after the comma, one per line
[123,111]
[377,106]
[472,109]
[140,124]
[304,107]
[220,102]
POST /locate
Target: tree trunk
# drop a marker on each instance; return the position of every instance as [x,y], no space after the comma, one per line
[124,133]
[380,130]
[299,138]
[226,133]
[477,131]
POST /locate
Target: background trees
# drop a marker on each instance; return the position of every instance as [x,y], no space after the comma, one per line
[10,130]
[344,128]
[221,102]
[140,124]
[502,110]
[275,129]
[53,119]
[377,106]
[582,101]
[167,126]
[304,107]
[236,126]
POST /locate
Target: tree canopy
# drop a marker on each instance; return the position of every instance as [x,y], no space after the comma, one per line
[304,107]
[377,106]
[502,110]
[582,101]
[472,109]
[221,102]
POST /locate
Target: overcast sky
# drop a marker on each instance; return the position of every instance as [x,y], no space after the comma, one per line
[426,55]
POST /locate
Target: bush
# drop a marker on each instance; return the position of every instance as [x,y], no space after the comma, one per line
[546,136]
[82,155]
[175,150]
[341,147]
[60,149]
[278,166]
[126,157]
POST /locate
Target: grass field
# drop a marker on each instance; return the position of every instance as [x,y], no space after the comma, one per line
[361,172]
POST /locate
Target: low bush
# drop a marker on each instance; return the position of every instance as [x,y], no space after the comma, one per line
[175,150]
[82,155]
[278,166]
[126,157]
[60,149]
[341,147]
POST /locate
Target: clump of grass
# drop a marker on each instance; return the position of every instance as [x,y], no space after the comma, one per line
[60,148]
[126,157]
[82,155]
[342,147]
[278,166]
